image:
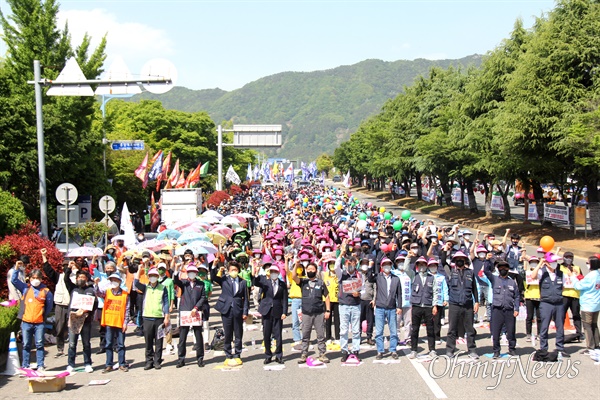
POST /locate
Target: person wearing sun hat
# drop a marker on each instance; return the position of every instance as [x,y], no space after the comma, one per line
[155,314]
[208,289]
[167,282]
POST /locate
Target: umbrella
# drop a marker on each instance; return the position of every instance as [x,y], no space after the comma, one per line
[223,230]
[230,220]
[197,247]
[216,238]
[85,251]
[239,217]
[194,228]
[209,220]
[155,244]
[247,215]
[212,213]
[178,226]
[168,234]
[189,237]
[118,237]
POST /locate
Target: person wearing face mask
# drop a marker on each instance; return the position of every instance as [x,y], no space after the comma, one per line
[350,282]
[115,317]
[514,252]
[466,243]
[463,300]
[193,297]
[479,256]
[109,269]
[388,304]
[435,247]
[570,294]
[208,289]
[155,314]
[295,294]
[551,301]
[315,310]
[423,299]
[442,298]
[19,269]
[367,293]
[81,288]
[532,300]
[233,305]
[332,282]
[589,290]
[404,320]
[273,309]
[505,306]
[167,282]
[34,308]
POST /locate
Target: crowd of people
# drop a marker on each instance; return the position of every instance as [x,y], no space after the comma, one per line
[335,265]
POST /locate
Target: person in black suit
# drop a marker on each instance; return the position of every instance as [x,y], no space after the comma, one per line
[273,309]
[233,305]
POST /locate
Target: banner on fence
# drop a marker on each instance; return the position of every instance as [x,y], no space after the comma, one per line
[556,213]
[497,203]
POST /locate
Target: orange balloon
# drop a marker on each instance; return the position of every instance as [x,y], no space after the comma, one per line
[547,243]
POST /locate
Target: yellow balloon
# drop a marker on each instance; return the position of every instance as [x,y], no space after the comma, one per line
[338,207]
[381,209]
[305,199]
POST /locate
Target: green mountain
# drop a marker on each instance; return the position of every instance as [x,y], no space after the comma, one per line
[318,110]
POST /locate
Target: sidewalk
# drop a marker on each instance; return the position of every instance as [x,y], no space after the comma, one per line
[531,233]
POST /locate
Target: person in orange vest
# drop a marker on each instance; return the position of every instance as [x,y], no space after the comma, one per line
[115,317]
[36,304]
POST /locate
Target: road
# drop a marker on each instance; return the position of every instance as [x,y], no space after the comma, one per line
[408,379]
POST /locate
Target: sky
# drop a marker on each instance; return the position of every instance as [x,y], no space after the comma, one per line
[227,44]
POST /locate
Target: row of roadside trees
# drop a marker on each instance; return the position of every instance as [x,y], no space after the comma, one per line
[529,113]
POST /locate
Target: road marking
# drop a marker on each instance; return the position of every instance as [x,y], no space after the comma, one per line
[431,383]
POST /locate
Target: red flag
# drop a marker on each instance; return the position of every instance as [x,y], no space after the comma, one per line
[154,218]
[174,174]
[155,157]
[193,177]
[142,171]
[165,167]
[181,181]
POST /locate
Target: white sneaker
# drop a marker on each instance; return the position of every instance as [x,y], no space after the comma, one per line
[443,321]
[412,354]
[533,340]
[89,369]
[69,369]
[432,354]
[41,369]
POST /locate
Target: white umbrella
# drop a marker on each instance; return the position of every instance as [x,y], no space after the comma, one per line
[229,220]
[85,251]
[212,213]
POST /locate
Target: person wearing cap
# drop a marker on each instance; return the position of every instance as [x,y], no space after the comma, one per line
[570,294]
[406,275]
[463,302]
[479,255]
[115,317]
[388,304]
[532,300]
[466,244]
[551,280]
[505,306]
[155,314]
[233,304]
[514,252]
[109,269]
[273,309]
[331,280]
[193,297]
[589,292]
[423,299]
[167,282]
[315,310]
[349,300]
[442,298]
[367,294]
[208,289]
[62,298]
[435,247]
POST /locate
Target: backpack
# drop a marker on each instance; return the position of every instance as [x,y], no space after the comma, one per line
[545,356]
[218,341]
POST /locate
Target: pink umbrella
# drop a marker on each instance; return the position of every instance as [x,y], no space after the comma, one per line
[178,226]
[223,230]
[85,251]
[239,217]
[155,245]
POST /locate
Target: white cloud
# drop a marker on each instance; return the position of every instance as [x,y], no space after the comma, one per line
[132,41]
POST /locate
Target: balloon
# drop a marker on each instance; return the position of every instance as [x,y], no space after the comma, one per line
[547,243]
[369,204]
[384,247]
[362,216]
[511,194]
[262,212]
[387,216]
[305,199]
[397,225]
[338,207]
[375,213]
[332,210]
[320,204]
[369,213]
[405,214]
[372,223]
[361,225]
[482,191]
[381,209]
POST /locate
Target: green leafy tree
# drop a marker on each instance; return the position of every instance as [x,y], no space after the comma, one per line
[325,163]
[12,213]
[91,232]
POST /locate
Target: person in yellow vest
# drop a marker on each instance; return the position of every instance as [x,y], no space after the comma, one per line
[36,304]
[155,313]
[332,282]
[570,294]
[532,301]
[115,317]
[295,294]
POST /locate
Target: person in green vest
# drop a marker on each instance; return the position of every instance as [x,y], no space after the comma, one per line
[155,314]
[167,282]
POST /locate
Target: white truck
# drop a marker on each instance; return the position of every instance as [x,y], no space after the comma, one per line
[180,205]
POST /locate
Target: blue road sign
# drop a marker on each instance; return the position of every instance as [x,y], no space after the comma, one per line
[127,145]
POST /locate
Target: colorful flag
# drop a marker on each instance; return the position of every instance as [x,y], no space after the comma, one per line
[256,172]
[347,179]
[142,171]
[181,181]
[156,170]
[174,177]
[232,176]
[154,218]
[204,170]
[194,177]
[249,173]
[127,227]
[289,174]
[275,169]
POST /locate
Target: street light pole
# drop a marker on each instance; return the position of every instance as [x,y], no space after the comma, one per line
[219,158]
[37,74]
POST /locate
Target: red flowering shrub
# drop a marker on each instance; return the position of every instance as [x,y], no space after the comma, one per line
[235,189]
[27,241]
[217,197]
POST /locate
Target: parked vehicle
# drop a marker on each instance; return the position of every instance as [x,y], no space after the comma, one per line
[337,178]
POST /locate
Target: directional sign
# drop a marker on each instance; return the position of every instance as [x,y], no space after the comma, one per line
[107,204]
[66,193]
[127,145]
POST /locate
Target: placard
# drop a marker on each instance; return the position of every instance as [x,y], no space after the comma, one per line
[529,280]
[532,213]
[163,331]
[556,213]
[82,302]
[186,318]
[568,282]
[497,203]
[351,286]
